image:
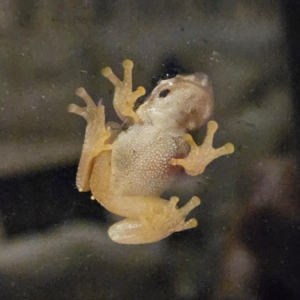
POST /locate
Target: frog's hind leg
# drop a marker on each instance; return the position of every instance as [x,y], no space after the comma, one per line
[156,226]
[129,231]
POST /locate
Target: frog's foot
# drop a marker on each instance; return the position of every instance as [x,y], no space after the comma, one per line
[95,139]
[154,227]
[200,156]
[96,133]
[178,215]
[124,97]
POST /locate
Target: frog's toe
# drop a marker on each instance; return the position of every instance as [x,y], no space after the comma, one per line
[75,109]
[194,202]
[191,223]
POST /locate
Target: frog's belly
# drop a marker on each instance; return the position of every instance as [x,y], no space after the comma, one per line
[140,162]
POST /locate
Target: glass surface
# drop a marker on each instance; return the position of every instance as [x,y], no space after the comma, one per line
[54,239]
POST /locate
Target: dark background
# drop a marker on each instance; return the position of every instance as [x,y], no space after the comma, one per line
[54,239]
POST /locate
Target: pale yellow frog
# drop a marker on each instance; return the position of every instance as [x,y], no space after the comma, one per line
[127,170]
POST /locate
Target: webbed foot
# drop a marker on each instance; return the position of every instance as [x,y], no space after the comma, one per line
[200,156]
[124,97]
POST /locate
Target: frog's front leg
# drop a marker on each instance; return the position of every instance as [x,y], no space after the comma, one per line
[124,97]
[96,136]
[200,156]
[158,223]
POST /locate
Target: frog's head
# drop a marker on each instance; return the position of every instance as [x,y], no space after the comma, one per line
[185,102]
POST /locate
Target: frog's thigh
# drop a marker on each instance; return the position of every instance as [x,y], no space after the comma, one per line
[129,231]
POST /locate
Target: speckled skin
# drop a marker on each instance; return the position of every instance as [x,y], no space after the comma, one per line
[142,153]
[128,170]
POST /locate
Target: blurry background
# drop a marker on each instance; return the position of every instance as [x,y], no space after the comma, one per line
[54,239]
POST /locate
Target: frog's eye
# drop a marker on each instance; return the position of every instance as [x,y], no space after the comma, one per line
[164,93]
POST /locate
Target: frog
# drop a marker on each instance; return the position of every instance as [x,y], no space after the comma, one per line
[127,166]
